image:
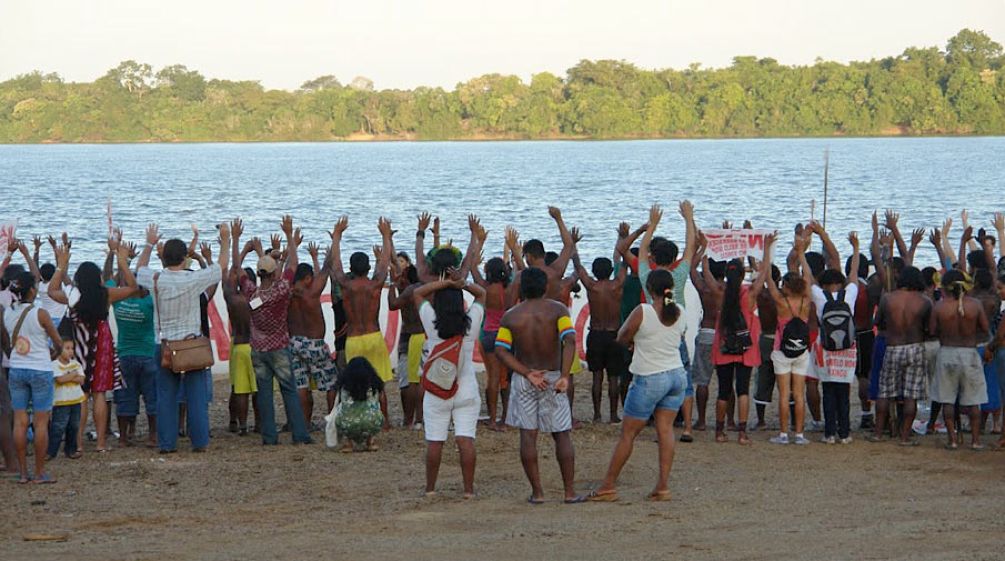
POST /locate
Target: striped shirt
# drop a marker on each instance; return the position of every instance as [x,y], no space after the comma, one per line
[176,306]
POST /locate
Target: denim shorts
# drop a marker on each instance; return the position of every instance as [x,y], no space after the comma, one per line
[664,390]
[140,376]
[37,387]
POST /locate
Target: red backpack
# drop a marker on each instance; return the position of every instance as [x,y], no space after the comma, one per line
[439,373]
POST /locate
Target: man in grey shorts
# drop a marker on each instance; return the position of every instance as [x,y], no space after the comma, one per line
[960,322]
[537,342]
[709,283]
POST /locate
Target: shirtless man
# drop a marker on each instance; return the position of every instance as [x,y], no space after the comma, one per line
[410,341]
[537,342]
[312,361]
[960,323]
[533,252]
[242,371]
[566,287]
[603,353]
[903,314]
[361,298]
[710,286]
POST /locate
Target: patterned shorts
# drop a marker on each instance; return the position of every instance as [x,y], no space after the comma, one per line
[904,373]
[542,410]
[312,362]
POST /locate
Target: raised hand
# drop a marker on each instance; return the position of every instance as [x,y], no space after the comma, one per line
[968,234]
[62,256]
[473,223]
[66,240]
[770,239]
[890,220]
[256,244]
[576,235]
[623,230]
[555,212]
[286,225]
[875,224]
[153,234]
[313,249]
[935,238]
[377,250]
[917,236]
[436,227]
[276,242]
[512,236]
[37,242]
[965,218]
[132,249]
[298,237]
[687,210]
[237,227]
[655,215]
[424,219]
[853,240]
[206,251]
[340,226]
[225,233]
[999,222]
[384,227]
[946,227]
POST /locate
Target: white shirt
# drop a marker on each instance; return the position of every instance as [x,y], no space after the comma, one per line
[55,309]
[67,394]
[176,304]
[657,347]
[819,299]
[31,349]
[467,383]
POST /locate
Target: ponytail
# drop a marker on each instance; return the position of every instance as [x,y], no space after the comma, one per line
[661,285]
[957,283]
[21,285]
[670,310]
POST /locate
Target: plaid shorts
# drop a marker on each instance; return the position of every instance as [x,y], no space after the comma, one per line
[904,372]
[312,363]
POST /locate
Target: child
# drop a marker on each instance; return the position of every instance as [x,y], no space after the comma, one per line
[66,411]
[358,417]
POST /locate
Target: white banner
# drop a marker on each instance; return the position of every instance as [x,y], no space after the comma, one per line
[724,245]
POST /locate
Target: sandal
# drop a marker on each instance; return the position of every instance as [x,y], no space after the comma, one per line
[44,479]
[743,439]
[659,496]
[576,500]
[721,437]
[909,443]
[604,497]
[534,500]
[951,446]
[977,447]
[686,438]
[76,455]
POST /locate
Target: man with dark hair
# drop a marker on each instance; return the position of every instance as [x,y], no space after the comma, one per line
[270,338]
[411,339]
[904,316]
[603,353]
[534,254]
[311,358]
[869,292]
[361,295]
[176,312]
[536,340]
[710,286]
[241,369]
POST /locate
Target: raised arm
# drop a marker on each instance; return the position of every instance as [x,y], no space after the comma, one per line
[320,271]
[936,239]
[687,212]
[655,215]
[380,274]
[855,258]
[831,256]
[56,282]
[917,236]
[422,292]
[32,265]
[474,246]
[293,239]
[153,236]
[337,273]
[892,218]
[965,223]
[968,234]
[764,272]
[568,242]
[513,241]
[237,258]
[999,224]
[225,243]
[420,251]
[116,294]
[947,245]
[581,272]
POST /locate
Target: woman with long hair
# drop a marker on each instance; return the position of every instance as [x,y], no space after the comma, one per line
[498,299]
[447,322]
[93,342]
[659,382]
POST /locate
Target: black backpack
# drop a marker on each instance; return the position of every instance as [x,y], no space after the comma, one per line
[796,335]
[837,323]
[735,341]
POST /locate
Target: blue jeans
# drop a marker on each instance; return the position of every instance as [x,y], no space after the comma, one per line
[65,423]
[686,359]
[878,354]
[139,373]
[664,390]
[194,386]
[35,387]
[276,364]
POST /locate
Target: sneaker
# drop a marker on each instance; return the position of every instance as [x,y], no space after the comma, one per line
[801,440]
[919,427]
[828,440]
[846,440]
[816,426]
[867,423]
[780,439]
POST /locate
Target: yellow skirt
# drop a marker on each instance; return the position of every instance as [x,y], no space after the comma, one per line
[371,347]
[415,343]
[242,371]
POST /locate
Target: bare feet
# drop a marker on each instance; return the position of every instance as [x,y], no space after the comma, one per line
[659,496]
[699,426]
[603,496]
[615,419]
[721,437]
[743,439]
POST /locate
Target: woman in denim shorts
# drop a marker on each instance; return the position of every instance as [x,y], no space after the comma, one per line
[659,382]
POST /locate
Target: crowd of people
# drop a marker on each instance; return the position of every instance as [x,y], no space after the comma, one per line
[904,335]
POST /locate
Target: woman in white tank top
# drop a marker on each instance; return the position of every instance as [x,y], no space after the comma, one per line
[29,329]
[658,383]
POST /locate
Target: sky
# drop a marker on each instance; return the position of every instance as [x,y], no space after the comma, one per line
[408,43]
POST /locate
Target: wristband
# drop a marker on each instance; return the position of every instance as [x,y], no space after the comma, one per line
[420,234]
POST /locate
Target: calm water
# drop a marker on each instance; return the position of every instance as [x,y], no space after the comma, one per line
[597,184]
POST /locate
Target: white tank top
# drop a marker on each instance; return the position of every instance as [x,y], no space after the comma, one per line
[31,350]
[657,347]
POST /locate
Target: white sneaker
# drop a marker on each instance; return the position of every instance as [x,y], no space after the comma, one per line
[846,440]
[780,439]
[828,440]
[801,440]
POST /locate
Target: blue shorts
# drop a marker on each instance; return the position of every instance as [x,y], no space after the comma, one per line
[994,402]
[878,355]
[139,373]
[686,359]
[37,387]
[664,390]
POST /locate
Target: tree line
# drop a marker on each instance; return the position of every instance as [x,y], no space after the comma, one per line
[956,90]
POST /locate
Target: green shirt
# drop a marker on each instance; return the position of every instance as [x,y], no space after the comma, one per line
[681,273]
[134,320]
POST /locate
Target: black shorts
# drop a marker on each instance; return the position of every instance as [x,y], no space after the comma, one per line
[864,342]
[604,353]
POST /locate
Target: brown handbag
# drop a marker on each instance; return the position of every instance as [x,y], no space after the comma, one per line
[183,355]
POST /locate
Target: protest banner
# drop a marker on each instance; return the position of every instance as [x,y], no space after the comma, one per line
[724,245]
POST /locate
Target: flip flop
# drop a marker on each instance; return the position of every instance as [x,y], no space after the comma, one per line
[103,450]
[951,446]
[909,443]
[978,447]
[44,479]
[597,497]
[686,438]
[657,497]
[23,480]
[76,455]
[534,500]
[744,441]
[874,438]
[576,500]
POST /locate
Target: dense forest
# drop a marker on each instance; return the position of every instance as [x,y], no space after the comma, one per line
[958,90]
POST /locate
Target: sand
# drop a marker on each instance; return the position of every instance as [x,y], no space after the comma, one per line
[243,501]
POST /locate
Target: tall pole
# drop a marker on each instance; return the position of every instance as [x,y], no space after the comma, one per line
[826,168]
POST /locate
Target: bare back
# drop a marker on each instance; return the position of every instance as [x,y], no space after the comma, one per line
[239,313]
[533,324]
[904,315]
[955,330]
[306,318]
[361,299]
[711,294]
[605,304]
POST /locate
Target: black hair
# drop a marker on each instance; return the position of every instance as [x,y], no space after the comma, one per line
[634,251]
[411,274]
[983,279]
[360,380]
[731,313]
[911,279]
[794,282]
[953,282]
[831,276]
[550,257]
[92,308]
[976,260]
[660,284]
[533,283]
[662,251]
[863,266]
[359,264]
[776,273]
[46,271]
[443,260]
[451,319]
[251,274]
[495,271]
[897,264]
[717,268]
[403,255]
[603,268]
[21,285]
[303,271]
[534,248]
[174,253]
[928,275]
[9,273]
[816,262]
